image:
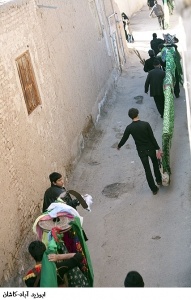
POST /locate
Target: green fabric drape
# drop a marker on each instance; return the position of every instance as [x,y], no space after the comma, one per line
[168,118]
[48,270]
[76,225]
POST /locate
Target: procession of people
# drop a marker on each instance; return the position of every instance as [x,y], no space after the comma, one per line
[60,252]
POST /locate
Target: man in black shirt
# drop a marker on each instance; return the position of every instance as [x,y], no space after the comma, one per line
[155,82]
[155,42]
[148,66]
[146,145]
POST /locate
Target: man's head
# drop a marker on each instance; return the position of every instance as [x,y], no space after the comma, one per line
[151,53]
[154,35]
[156,63]
[133,279]
[133,113]
[36,250]
[56,179]
[155,2]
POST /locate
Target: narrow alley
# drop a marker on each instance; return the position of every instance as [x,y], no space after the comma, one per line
[129,228]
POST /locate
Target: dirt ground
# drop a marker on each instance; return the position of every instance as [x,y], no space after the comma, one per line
[129,228]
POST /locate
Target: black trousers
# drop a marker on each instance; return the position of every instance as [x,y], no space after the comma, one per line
[159,101]
[144,156]
[161,21]
[177,86]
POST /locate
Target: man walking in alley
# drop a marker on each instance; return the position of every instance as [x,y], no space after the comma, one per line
[148,66]
[155,42]
[157,9]
[155,81]
[146,145]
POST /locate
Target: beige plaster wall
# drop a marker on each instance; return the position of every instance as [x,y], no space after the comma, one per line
[75,68]
[74,73]
[183,7]
[130,7]
[22,151]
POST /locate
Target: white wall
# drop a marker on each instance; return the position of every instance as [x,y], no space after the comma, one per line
[184,9]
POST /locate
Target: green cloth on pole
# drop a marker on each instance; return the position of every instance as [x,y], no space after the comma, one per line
[48,270]
[76,225]
[167,129]
[168,117]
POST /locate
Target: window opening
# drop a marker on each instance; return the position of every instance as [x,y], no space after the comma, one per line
[28,81]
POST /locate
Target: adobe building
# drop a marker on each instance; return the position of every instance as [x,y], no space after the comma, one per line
[59,62]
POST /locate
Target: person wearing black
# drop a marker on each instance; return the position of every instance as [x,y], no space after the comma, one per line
[162,63]
[148,66]
[56,189]
[155,81]
[150,3]
[171,41]
[146,145]
[155,42]
[177,83]
[133,279]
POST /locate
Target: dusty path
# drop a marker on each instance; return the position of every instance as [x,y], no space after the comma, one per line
[129,228]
